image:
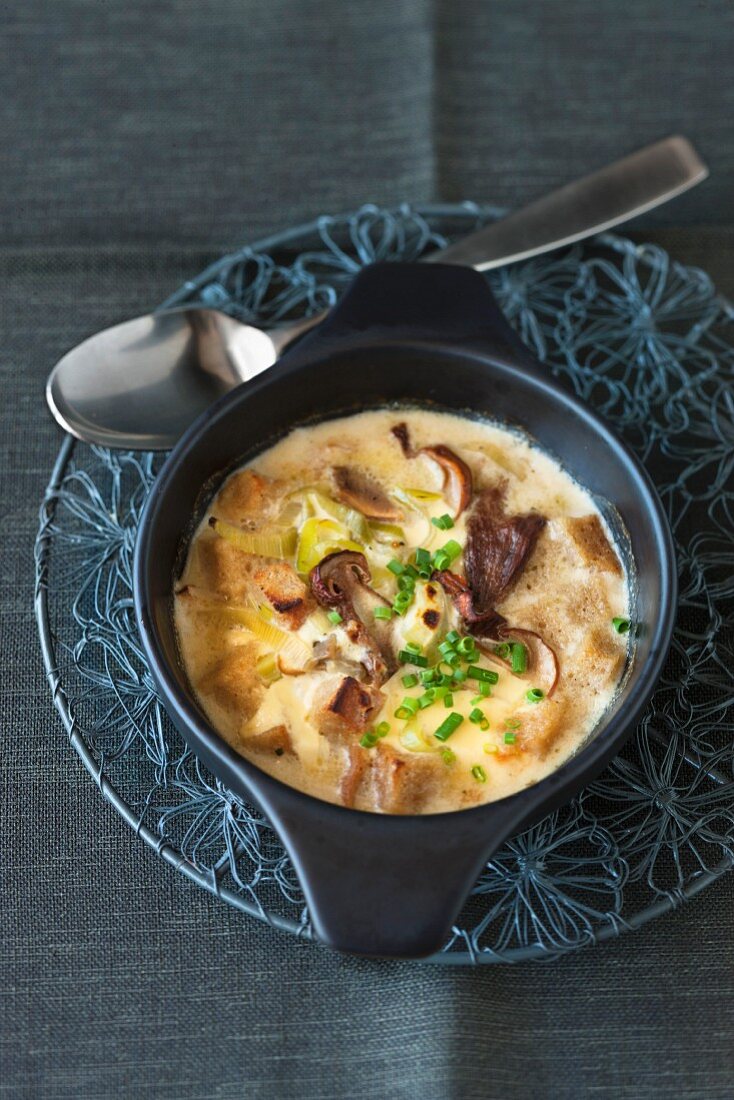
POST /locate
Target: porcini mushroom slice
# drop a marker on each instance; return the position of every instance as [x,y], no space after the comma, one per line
[542,668]
[457,477]
[360,491]
[485,623]
[342,581]
[497,547]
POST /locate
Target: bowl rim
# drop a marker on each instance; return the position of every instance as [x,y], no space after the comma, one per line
[561,783]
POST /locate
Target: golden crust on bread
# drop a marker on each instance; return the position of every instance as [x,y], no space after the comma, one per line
[591,543]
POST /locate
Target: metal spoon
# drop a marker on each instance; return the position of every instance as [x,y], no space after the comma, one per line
[140,384]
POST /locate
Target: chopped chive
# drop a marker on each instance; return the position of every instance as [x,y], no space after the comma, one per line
[407,658]
[490,749]
[445,648]
[403,714]
[460,675]
[474,672]
[406,583]
[441,560]
[440,691]
[410,704]
[453,549]
[396,567]
[443,522]
[425,700]
[411,571]
[484,725]
[333,617]
[479,773]
[383,613]
[519,658]
[452,637]
[621,626]
[449,726]
[422,559]
[448,700]
[513,723]
[413,647]
[466,646]
[409,681]
[476,699]
[534,695]
[368,740]
[503,650]
[428,675]
[484,689]
[382,729]
[476,716]
[448,756]
[510,738]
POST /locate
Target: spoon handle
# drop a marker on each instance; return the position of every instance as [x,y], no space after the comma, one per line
[592,204]
[614,194]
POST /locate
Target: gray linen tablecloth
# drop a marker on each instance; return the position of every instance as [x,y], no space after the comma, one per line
[140,139]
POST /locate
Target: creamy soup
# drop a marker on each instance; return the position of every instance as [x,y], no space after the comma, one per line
[403,611]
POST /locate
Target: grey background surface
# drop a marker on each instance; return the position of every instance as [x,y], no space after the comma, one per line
[138,140]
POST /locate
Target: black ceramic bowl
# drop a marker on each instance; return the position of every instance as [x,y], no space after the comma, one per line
[413,334]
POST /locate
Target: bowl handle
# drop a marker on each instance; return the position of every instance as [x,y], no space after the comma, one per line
[389,886]
[435,303]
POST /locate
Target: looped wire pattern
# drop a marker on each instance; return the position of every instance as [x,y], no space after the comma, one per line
[644,340]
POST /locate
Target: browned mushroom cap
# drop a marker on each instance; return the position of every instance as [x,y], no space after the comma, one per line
[481,623]
[457,477]
[360,491]
[342,581]
[543,665]
[497,547]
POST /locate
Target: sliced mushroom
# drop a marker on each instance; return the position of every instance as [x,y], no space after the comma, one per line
[457,477]
[543,667]
[327,653]
[360,491]
[497,547]
[342,581]
[480,623]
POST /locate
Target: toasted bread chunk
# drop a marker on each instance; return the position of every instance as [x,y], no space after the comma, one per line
[233,683]
[223,568]
[591,542]
[276,740]
[601,658]
[285,592]
[245,496]
[542,727]
[403,784]
[344,708]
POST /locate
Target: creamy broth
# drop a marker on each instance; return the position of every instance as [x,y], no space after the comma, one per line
[311,695]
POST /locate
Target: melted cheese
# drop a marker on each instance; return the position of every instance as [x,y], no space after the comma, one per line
[562,594]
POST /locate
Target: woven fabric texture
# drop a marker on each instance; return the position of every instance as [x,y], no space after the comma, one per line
[120,978]
[139,140]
